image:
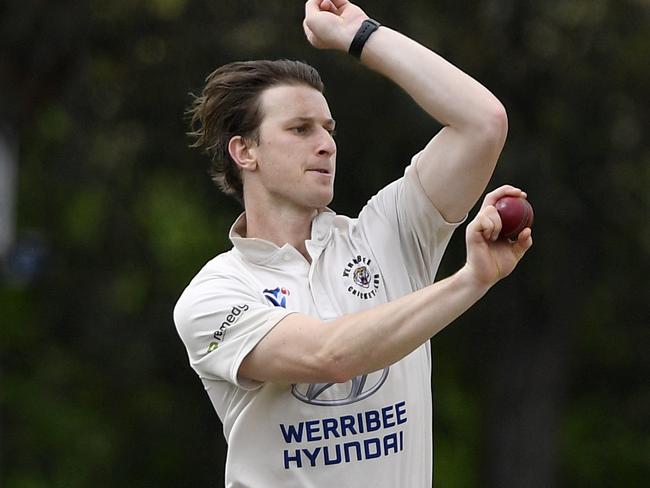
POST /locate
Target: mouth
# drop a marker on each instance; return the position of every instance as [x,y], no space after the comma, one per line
[321,171]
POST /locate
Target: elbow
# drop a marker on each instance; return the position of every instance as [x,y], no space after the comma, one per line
[499,121]
[338,375]
[342,374]
[492,128]
[336,366]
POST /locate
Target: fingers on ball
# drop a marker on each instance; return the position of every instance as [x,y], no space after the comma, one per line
[489,226]
[492,214]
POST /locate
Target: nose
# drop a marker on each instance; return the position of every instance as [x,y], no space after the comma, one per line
[326,144]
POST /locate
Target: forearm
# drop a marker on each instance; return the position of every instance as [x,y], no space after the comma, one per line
[459,160]
[445,92]
[303,349]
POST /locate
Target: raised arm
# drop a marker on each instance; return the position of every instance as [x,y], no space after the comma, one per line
[303,349]
[456,165]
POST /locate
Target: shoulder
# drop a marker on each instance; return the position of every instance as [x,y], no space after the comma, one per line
[222,266]
[221,277]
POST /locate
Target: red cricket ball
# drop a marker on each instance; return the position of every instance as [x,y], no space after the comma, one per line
[516,214]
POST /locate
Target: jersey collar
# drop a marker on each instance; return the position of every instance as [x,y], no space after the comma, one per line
[261,251]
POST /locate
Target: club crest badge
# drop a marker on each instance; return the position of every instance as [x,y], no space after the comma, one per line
[361,278]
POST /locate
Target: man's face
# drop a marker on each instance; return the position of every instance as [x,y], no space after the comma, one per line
[296,153]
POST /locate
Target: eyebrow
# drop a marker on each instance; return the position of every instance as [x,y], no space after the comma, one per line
[330,122]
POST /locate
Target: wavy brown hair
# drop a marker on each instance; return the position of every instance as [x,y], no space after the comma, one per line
[229,106]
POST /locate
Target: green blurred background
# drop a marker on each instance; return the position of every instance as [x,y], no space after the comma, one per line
[106,215]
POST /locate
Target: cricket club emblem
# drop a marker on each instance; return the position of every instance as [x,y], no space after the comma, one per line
[361,278]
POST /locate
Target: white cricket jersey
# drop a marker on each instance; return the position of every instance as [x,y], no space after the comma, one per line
[375,430]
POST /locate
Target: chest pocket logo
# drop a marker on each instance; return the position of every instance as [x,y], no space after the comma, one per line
[336,394]
[361,278]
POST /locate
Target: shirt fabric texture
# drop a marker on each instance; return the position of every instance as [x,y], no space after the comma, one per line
[375,430]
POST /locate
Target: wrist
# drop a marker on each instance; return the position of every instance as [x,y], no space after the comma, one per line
[367,28]
[473,281]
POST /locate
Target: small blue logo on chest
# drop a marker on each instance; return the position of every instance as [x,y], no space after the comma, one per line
[277,296]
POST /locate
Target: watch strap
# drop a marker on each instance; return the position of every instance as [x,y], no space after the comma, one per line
[368,26]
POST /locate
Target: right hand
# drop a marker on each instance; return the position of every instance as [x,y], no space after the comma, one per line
[332,24]
[489,258]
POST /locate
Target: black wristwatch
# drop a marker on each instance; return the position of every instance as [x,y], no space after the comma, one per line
[365,31]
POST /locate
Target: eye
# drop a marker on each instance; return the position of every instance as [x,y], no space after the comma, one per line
[300,130]
[331,131]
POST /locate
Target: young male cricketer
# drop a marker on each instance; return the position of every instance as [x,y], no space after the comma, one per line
[311,336]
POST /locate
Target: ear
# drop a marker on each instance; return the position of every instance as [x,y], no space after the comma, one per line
[240,151]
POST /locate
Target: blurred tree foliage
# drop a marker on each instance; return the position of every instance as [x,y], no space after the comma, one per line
[544,383]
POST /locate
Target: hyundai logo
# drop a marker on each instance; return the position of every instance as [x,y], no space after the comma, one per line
[334,394]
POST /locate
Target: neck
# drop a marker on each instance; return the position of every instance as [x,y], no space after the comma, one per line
[284,225]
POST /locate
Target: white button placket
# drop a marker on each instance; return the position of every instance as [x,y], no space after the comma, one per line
[322,300]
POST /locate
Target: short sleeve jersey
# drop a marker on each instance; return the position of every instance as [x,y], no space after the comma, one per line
[375,430]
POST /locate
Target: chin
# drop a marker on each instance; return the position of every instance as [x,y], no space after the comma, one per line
[323,202]
[316,199]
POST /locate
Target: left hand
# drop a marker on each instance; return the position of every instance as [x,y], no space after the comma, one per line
[332,24]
